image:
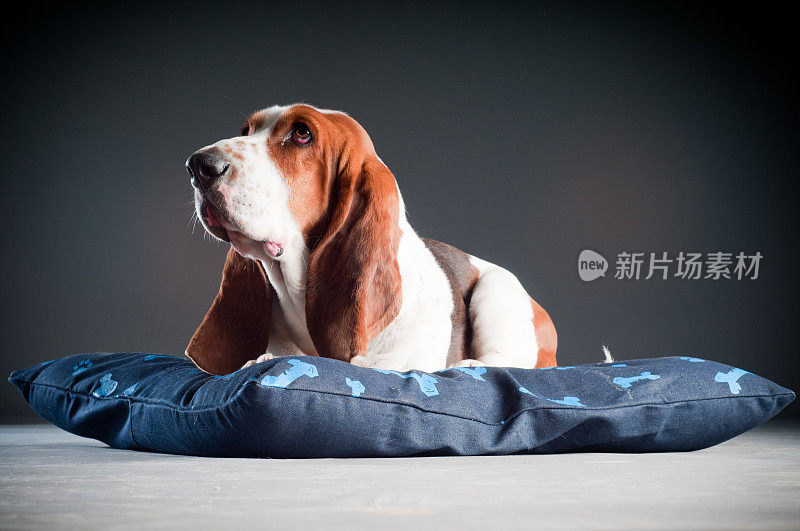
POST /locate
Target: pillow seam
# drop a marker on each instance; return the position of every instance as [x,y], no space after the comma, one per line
[131,399]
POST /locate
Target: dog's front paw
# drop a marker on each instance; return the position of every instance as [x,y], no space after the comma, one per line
[262,358]
[360,361]
[469,363]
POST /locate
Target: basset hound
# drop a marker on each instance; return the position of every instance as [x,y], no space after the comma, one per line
[323,261]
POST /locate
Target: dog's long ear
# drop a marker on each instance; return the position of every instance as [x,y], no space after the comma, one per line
[236,328]
[353,288]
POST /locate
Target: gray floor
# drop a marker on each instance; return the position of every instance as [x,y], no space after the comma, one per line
[51,479]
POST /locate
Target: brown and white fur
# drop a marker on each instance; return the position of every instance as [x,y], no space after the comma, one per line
[324,262]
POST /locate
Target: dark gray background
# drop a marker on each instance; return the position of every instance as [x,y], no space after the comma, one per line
[522,135]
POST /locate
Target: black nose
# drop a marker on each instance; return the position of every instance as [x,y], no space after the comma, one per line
[206,167]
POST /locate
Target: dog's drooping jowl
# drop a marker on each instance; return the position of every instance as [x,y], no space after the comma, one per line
[323,261]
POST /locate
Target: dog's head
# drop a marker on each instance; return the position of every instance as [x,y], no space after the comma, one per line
[300,182]
[269,191]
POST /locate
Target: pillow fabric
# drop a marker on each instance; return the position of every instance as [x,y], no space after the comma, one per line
[319,407]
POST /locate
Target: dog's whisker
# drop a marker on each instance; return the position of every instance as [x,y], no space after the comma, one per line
[234,108]
[193,220]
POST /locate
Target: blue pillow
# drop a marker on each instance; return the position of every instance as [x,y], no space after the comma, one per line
[319,407]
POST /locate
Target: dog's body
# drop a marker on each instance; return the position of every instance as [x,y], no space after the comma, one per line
[324,261]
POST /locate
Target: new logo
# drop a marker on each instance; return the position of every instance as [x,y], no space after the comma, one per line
[591,265]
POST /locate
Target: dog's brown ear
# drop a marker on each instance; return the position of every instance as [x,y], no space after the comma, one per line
[236,328]
[353,290]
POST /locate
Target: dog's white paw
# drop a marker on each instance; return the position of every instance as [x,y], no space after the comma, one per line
[262,358]
[360,361]
[469,363]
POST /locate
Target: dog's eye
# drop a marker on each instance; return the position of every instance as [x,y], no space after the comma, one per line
[301,134]
[245,130]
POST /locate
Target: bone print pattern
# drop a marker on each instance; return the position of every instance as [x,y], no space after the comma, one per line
[626,382]
[427,382]
[107,386]
[731,378]
[356,386]
[475,372]
[298,369]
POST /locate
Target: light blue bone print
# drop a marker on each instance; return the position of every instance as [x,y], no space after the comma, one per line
[107,386]
[627,382]
[356,386]
[731,378]
[129,391]
[692,360]
[298,369]
[151,357]
[475,372]
[426,381]
[557,368]
[620,365]
[81,366]
[567,401]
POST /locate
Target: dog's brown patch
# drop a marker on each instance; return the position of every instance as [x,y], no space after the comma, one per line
[546,337]
[462,276]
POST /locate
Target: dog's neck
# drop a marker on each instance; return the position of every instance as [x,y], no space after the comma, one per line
[288,277]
